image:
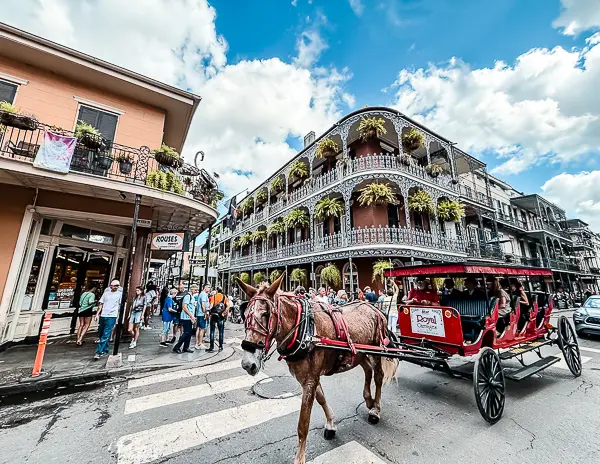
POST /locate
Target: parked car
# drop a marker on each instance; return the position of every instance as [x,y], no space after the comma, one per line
[587,317]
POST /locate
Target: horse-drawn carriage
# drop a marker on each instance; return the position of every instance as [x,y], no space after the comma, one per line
[316,339]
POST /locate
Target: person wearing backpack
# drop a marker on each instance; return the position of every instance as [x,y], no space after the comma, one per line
[202,311]
[219,308]
[178,305]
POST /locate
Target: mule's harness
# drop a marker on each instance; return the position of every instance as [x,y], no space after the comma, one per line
[302,337]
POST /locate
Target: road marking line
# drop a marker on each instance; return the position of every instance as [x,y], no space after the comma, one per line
[592,350]
[165,440]
[563,365]
[350,453]
[180,395]
[182,374]
[131,358]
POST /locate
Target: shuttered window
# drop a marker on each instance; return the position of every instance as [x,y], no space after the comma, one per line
[105,122]
[8,92]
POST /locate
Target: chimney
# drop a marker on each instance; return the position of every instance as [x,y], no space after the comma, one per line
[309,138]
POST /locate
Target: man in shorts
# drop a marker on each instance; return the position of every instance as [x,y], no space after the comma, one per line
[177,327]
[202,312]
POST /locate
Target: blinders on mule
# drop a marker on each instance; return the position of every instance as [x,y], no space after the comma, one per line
[253,323]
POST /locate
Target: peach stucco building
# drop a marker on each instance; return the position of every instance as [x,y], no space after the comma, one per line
[60,230]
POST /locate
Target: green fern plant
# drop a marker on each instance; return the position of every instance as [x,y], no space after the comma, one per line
[247,205]
[331,275]
[376,194]
[299,170]
[371,127]
[379,268]
[276,185]
[328,207]
[167,150]
[83,128]
[258,278]
[259,235]
[326,147]
[412,140]
[274,275]
[7,107]
[296,218]
[298,275]
[235,244]
[450,211]
[245,277]
[245,239]
[421,202]
[277,227]
[261,196]
[434,170]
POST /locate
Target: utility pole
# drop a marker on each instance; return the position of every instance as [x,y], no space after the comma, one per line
[207,254]
[132,240]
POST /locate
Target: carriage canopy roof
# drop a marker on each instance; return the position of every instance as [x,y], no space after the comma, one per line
[471,268]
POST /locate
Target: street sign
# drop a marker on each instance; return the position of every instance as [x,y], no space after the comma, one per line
[147,223]
[195,261]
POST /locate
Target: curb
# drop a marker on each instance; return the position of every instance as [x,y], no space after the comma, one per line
[79,379]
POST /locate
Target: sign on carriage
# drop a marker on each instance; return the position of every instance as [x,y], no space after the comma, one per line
[427,321]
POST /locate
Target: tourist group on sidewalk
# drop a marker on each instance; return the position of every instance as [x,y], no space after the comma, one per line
[184,313]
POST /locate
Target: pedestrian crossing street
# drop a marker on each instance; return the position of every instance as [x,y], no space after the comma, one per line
[149,395]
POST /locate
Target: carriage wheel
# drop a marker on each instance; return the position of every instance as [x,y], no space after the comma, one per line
[488,383]
[567,341]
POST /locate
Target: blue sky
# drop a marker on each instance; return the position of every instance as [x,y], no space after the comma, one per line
[513,82]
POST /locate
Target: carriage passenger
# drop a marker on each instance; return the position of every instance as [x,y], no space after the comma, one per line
[504,309]
[449,291]
[342,297]
[423,294]
[516,289]
[472,291]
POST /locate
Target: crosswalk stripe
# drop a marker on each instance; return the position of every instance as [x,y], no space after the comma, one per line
[168,439]
[591,350]
[350,453]
[182,374]
[563,365]
[156,400]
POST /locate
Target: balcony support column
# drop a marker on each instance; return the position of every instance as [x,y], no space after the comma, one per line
[347,225]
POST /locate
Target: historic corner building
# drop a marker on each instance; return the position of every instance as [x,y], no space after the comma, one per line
[59,231]
[282,226]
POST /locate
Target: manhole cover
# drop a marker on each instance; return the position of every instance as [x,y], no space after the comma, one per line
[277,387]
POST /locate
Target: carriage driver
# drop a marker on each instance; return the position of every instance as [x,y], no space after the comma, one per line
[423,294]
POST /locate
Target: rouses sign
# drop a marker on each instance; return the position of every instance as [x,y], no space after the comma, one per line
[168,241]
[427,321]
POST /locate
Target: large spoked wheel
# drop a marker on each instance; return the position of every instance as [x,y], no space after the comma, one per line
[488,383]
[567,341]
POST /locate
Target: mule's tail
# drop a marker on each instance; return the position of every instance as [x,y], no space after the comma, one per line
[389,367]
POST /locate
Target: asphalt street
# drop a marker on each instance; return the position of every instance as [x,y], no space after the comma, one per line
[209,414]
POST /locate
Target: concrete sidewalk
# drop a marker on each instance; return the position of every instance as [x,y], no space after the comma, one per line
[68,364]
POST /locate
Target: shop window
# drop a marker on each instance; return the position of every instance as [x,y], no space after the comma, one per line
[78,233]
[101,237]
[105,122]
[8,92]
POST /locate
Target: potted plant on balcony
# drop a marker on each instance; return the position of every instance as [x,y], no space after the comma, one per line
[274,275]
[406,159]
[259,235]
[371,127]
[245,239]
[376,194]
[379,268]
[125,161]
[421,202]
[245,277]
[296,218]
[258,278]
[275,228]
[298,275]
[299,170]
[165,181]
[214,197]
[261,197]
[88,136]
[450,211]
[329,207]
[235,244]
[434,170]
[326,148]
[168,156]
[331,275]
[276,185]
[10,117]
[103,160]
[247,206]
[412,140]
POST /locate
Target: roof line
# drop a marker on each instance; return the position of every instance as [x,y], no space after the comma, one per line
[96,61]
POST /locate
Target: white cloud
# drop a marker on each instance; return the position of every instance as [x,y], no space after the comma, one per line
[578,16]
[578,194]
[310,43]
[543,107]
[357,6]
[248,109]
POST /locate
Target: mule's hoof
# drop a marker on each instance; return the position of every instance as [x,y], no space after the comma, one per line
[329,434]
[373,419]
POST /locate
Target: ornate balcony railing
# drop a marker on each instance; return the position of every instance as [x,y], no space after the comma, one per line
[356,237]
[477,196]
[111,161]
[509,219]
